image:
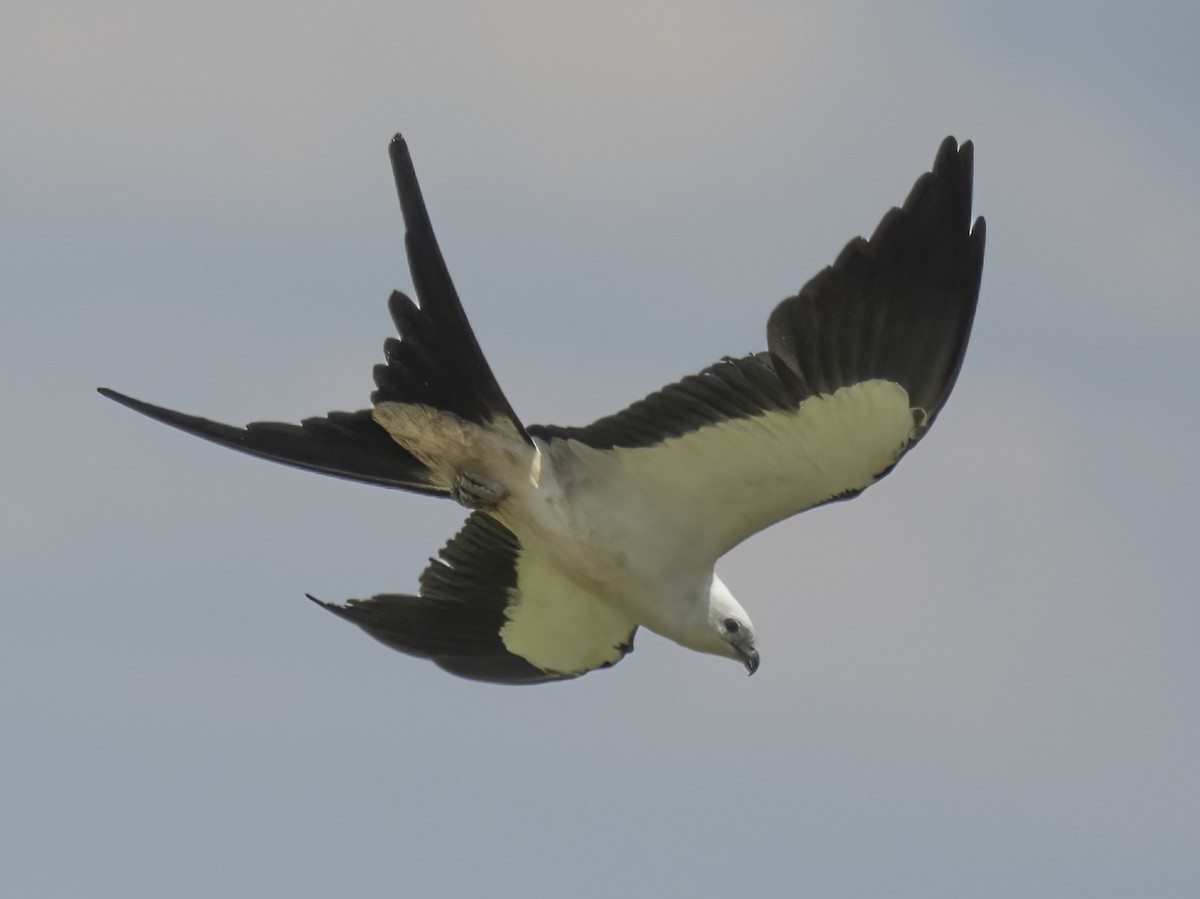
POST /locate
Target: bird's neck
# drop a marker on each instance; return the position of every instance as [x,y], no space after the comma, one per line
[683,616]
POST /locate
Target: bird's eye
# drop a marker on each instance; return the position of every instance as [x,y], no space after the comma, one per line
[731,625]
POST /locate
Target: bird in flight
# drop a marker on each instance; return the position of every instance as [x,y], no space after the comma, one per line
[578,536]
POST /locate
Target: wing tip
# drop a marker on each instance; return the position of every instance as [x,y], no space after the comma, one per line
[324,605]
[952,150]
[408,189]
[397,146]
[158,413]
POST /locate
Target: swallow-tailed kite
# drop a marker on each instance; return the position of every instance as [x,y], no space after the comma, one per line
[578,536]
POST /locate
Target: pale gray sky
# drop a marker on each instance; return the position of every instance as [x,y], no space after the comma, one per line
[979,678]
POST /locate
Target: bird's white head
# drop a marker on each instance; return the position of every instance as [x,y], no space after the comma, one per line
[730,631]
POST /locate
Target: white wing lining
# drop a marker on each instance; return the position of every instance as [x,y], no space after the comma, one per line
[729,480]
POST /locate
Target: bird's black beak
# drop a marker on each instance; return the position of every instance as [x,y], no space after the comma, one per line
[750,660]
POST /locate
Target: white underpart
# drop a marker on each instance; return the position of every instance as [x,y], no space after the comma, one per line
[554,620]
[611,539]
[643,527]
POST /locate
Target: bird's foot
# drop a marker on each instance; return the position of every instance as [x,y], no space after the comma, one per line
[477,493]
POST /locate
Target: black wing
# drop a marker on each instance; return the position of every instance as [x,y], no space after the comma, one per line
[489,610]
[858,365]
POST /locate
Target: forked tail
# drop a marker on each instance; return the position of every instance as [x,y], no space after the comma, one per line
[436,362]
